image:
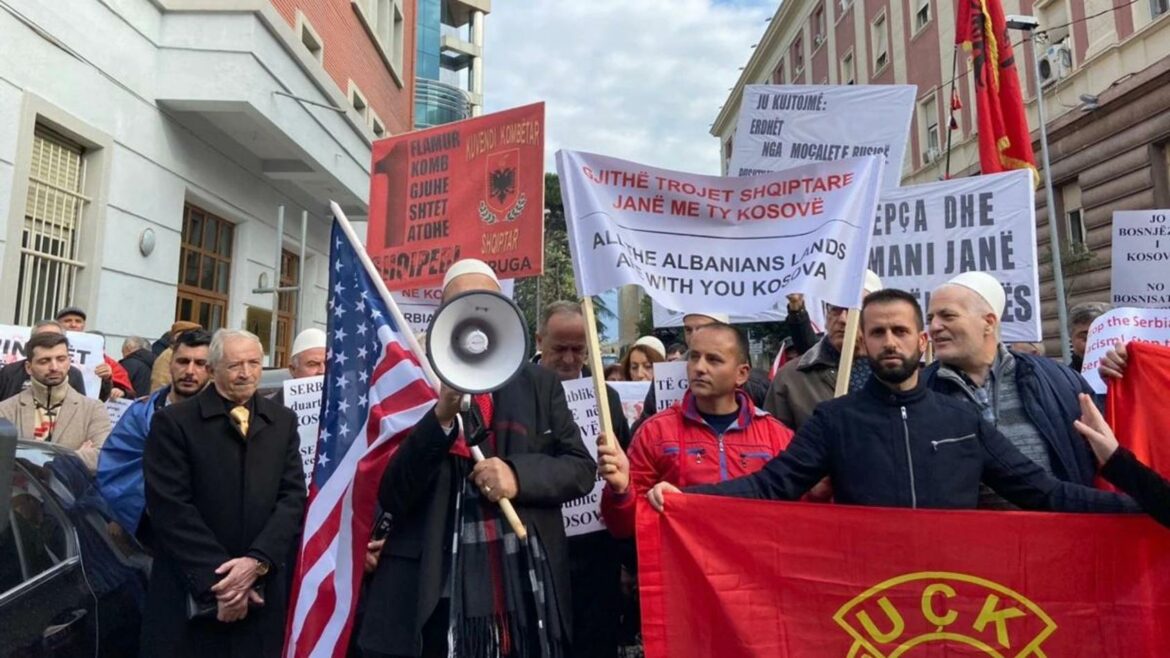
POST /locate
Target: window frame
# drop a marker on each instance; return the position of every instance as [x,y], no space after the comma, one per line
[305,29]
[876,57]
[195,293]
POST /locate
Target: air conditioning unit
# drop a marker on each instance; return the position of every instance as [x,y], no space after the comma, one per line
[930,155]
[1055,64]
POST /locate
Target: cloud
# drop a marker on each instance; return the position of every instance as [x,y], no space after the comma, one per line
[635,79]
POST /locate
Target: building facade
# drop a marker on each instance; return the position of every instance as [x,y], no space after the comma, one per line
[449,63]
[1105,77]
[148,146]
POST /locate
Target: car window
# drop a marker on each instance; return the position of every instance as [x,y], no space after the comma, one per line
[33,537]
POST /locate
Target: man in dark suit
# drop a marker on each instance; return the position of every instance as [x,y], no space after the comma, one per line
[225,491]
[420,591]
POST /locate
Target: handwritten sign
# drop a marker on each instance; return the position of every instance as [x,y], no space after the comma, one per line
[304,397]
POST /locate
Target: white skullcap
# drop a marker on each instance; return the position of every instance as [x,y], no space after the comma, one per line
[873,283]
[307,340]
[653,343]
[718,317]
[984,285]
[468,266]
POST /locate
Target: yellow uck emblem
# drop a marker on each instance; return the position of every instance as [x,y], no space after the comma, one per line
[893,617]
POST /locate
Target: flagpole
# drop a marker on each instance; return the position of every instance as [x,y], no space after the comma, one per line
[951,114]
[412,342]
[848,348]
[600,393]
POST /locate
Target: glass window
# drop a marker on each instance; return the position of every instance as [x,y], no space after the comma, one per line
[880,40]
[205,268]
[34,538]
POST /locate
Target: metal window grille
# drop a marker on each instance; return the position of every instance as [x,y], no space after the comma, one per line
[49,245]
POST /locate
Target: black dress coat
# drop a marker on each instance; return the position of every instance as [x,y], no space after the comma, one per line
[212,496]
[536,436]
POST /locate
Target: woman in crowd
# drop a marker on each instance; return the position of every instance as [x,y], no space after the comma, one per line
[638,364]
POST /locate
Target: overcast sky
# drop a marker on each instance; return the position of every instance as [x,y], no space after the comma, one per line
[635,79]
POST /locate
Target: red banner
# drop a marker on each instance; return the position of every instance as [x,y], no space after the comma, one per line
[1136,405]
[471,189]
[803,579]
[1004,140]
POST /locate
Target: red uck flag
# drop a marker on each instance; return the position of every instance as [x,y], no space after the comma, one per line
[1137,405]
[803,580]
[1004,140]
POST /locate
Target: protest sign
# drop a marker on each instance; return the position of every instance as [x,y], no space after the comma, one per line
[304,397]
[924,235]
[583,515]
[1122,325]
[87,352]
[714,244]
[784,126]
[1141,262]
[633,396]
[670,383]
[418,305]
[116,409]
[470,189]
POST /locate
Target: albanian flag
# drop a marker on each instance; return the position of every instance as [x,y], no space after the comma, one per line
[734,578]
[1136,405]
[1004,139]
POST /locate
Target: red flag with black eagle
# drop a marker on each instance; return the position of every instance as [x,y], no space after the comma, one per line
[1004,140]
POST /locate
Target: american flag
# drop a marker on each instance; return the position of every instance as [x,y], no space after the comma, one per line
[375,391]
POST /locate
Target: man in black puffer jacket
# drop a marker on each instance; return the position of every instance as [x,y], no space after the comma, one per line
[897,444]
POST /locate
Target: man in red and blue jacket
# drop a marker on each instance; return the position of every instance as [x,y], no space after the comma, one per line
[714,434]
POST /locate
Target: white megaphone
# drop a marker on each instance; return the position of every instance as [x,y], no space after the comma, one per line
[477,342]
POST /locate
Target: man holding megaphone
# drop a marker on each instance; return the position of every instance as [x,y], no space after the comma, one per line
[474,587]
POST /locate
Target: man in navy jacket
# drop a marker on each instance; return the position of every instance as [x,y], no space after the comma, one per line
[895,443]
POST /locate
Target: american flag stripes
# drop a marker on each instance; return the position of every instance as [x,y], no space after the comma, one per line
[375,392]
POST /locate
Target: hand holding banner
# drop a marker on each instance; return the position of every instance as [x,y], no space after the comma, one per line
[714,244]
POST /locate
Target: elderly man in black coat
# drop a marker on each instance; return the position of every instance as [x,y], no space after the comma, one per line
[420,591]
[225,491]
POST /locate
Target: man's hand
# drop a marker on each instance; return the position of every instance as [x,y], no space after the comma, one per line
[231,612]
[373,554]
[1113,365]
[1094,428]
[612,465]
[796,302]
[495,479]
[447,408]
[241,575]
[103,370]
[655,495]
[117,393]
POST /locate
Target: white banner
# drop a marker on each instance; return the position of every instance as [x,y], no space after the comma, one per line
[1122,325]
[86,352]
[714,244]
[418,305]
[924,235]
[1141,263]
[304,397]
[670,383]
[784,126]
[633,395]
[583,515]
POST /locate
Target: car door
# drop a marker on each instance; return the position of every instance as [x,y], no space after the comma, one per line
[45,602]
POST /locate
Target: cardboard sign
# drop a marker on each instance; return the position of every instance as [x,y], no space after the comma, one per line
[304,397]
[670,383]
[1141,258]
[583,515]
[470,189]
[633,395]
[117,408]
[1122,325]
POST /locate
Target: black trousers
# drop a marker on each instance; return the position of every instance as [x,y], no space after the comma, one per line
[595,578]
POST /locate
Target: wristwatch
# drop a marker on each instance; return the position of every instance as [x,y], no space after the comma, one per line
[261,567]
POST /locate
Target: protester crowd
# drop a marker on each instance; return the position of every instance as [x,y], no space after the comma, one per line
[207,474]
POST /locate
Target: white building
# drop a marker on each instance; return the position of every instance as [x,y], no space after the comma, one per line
[146,146]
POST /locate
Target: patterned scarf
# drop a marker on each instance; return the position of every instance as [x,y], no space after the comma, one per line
[502,605]
[47,400]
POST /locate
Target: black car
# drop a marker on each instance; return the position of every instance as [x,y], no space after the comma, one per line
[72,581]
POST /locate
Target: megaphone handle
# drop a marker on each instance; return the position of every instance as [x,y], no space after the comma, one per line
[505,505]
